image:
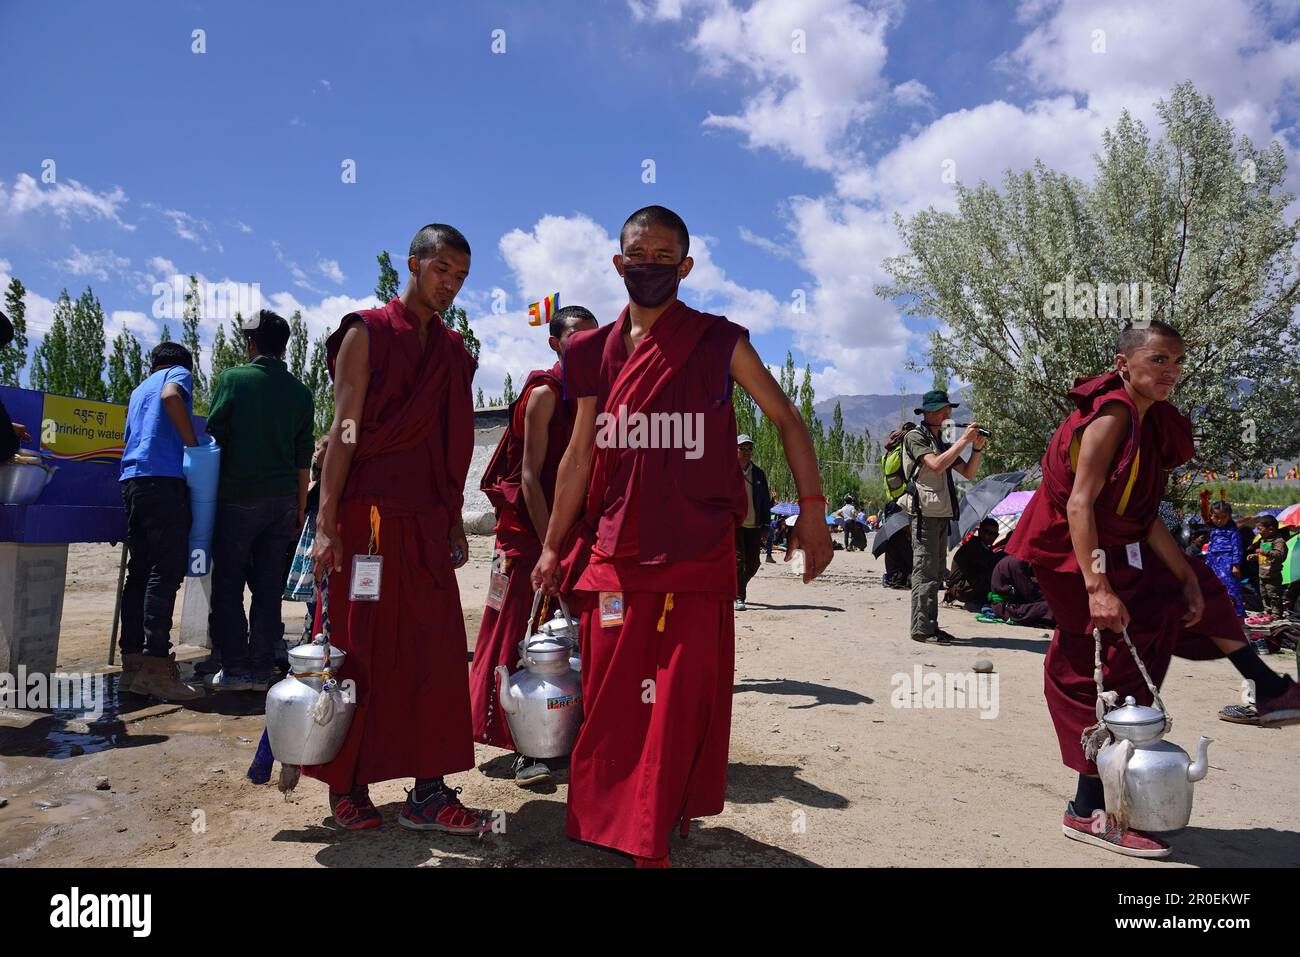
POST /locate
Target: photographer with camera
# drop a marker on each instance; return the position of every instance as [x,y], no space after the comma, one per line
[931,500]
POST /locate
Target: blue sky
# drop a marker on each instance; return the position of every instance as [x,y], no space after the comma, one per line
[787,164]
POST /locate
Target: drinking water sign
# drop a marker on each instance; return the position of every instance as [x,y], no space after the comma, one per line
[82,430]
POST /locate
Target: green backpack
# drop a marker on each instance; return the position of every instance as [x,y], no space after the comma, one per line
[891,467]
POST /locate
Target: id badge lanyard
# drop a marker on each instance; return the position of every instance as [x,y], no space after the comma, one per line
[367,569]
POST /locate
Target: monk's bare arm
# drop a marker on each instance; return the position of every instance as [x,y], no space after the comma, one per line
[810,527]
[351,380]
[1100,441]
[570,491]
[537,427]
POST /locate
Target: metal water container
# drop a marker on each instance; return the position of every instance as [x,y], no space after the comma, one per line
[305,727]
[1148,777]
[563,625]
[543,700]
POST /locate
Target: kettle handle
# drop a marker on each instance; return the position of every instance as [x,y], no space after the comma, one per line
[528,628]
[565,609]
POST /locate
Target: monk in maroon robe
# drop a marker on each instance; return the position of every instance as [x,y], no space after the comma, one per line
[1105,560]
[391,488]
[652,481]
[519,481]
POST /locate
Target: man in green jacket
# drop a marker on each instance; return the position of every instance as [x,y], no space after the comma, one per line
[262,417]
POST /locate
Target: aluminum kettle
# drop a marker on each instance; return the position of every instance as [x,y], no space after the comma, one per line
[543,700]
[306,724]
[1148,778]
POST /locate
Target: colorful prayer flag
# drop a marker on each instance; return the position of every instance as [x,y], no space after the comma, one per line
[540,313]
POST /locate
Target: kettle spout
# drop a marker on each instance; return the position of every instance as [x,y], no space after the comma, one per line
[510,706]
[1196,770]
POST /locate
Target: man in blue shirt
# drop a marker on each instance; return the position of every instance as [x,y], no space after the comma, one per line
[158,427]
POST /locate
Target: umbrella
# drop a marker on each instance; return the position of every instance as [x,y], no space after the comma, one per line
[985,498]
[1290,516]
[891,526]
[1291,567]
[785,508]
[1269,511]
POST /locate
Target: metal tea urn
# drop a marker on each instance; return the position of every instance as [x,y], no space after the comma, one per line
[543,700]
[1148,778]
[305,723]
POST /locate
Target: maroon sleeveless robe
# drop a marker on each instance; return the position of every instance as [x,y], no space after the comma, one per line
[657,688]
[519,546]
[406,652]
[1125,510]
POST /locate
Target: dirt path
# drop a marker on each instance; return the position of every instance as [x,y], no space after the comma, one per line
[824,770]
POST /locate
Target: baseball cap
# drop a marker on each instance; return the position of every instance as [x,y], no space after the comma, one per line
[743,439]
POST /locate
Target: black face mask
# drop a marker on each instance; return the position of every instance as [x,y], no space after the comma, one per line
[650,284]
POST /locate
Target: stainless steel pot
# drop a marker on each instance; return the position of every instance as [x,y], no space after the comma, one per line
[22,483]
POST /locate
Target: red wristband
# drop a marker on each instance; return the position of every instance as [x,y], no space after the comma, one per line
[813,498]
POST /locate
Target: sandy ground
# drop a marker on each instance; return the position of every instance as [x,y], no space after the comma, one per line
[824,770]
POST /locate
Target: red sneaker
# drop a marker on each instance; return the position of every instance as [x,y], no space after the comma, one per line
[1282,710]
[1102,831]
[355,812]
[442,811]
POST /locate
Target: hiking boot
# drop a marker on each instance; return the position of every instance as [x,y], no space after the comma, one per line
[1282,710]
[530,772]
[442,811]
[355,812]
[130,671]
[161,677]
[1102,831]
[739,605]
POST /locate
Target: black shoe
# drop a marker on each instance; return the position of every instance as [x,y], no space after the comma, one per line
[942,637]
[530,771]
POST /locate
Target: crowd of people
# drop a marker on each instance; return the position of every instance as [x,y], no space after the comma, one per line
[579,517]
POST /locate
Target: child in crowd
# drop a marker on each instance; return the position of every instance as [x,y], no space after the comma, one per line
[1270,553]
[1224,554]
[301,583]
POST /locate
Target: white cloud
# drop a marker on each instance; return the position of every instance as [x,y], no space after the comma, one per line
[191,228]
[137,323]
[243,227]
[765,244]
[96,264]
[329,268]
[299,274]
[40,310]
[64,199]
[815,69]
[913,93]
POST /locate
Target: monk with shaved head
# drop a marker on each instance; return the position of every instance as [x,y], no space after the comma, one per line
[389,536]
[1104,559]
[651,487]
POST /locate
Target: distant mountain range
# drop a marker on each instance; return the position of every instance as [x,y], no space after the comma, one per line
[878,414]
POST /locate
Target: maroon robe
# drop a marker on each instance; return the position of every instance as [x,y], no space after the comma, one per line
[406,652]
[519,546]
[657,688]
[1125,511]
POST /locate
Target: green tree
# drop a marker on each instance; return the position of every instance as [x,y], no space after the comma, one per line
[125,367]
[52,359]
[14,356]
[297,345]
[166,335]
[316,377]
[1033,282]
[230,350]
[478,404]
[457,319]
[190,340]
[389,284]
[86,347]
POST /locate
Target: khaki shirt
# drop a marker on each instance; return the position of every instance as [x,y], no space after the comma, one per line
[931,487]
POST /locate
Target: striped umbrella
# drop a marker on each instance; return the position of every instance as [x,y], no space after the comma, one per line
[1290,516]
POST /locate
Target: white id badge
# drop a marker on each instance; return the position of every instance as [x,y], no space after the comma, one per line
[1134,550]
[366,571]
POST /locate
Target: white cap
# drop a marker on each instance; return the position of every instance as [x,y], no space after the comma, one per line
[744,439]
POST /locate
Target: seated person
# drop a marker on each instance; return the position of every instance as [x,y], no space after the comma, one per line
[972,567]
[1019,600]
